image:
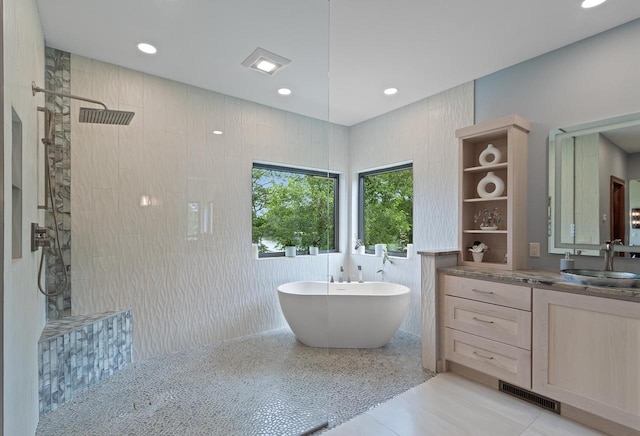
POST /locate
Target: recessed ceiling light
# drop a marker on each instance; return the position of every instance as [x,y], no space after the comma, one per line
[217,132]
[390,91]
[265,61]
[266,66]
[147,48]
[284,91]
[592,3]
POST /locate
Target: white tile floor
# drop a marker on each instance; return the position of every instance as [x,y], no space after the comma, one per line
[451,405]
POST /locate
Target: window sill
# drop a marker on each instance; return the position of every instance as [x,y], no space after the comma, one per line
[355,253]
[296,256]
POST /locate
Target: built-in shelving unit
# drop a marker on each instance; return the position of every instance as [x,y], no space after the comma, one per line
[507,244]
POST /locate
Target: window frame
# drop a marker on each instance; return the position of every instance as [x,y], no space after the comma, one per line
[336,202]
[361,177]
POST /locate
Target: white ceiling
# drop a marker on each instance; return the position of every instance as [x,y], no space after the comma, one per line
[627,138]
[421,47]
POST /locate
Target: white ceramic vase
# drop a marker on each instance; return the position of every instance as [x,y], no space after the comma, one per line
[489,179]
[360,249]
[491,150]
[379,249]
[290,251]
[313,251]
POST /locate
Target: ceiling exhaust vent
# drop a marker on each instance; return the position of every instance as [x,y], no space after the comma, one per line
[265,62]
[523,394]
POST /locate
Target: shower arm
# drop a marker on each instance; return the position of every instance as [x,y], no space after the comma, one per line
[35,88]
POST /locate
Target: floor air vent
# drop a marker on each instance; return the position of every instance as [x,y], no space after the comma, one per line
[523,394]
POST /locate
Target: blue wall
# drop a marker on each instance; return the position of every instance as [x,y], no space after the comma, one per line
[593,79]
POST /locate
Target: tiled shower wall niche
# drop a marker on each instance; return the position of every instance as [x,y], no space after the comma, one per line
[76,352]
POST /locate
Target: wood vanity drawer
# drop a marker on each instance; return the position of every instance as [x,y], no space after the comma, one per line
[518,297]
[505,362]
[502,324]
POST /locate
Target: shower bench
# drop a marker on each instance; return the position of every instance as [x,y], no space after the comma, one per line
[76,352]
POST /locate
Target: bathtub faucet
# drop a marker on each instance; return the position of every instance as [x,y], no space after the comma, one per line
[330,278]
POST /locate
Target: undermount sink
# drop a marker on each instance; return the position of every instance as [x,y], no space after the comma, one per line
[593,277]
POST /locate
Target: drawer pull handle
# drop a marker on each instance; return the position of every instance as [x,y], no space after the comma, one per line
[482,320]
[483,357]
[480,291]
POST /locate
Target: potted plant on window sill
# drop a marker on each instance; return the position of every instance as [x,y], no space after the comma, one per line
[359,246]
[313,249]
[380,249]
[289,248]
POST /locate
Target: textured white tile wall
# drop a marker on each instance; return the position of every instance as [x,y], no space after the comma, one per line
[430,302]
[190,292]
[183,292]
[424,133]
[24,307]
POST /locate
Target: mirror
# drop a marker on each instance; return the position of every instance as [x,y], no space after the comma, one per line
[594,186]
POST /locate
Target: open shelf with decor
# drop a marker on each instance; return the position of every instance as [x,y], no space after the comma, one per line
[493,192]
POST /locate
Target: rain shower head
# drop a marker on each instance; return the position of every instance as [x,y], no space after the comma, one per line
[105,116]
[89,115]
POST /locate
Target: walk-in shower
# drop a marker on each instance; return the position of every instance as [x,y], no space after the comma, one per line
[87,115]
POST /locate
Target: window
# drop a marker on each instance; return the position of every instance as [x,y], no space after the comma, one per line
[386,208]
[293,206]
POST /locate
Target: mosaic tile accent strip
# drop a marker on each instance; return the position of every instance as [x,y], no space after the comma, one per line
[77,352]
[266,384]
[58,78]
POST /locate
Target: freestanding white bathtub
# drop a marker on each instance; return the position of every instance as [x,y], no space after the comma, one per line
[344,315]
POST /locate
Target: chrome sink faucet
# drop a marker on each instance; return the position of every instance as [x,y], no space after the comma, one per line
[609,253]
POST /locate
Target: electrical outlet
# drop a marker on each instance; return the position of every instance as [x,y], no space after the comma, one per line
[534,249]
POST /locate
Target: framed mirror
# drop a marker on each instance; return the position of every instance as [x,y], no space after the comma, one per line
[594,186]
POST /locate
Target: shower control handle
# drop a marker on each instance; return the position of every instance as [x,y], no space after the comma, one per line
[39,237]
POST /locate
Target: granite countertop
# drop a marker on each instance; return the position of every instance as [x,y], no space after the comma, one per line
[545,280]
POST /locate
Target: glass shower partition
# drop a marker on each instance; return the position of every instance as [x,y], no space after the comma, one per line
[286,147]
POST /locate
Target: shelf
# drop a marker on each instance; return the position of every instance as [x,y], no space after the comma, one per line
[480,169]
[494,265]
[509,136]
[478,200]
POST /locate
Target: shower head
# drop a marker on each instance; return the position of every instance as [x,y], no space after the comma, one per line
[88,115]
[105,116]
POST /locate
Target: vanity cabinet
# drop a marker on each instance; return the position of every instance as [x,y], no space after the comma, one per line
[580,350]
[487,327]
[586,353]
[507,243]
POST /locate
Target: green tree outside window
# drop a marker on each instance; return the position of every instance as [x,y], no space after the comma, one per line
[293,207]
[386,208]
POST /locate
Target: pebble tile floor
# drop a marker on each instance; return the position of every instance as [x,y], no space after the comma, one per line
[267,384]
